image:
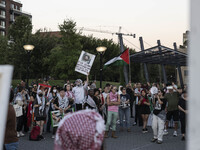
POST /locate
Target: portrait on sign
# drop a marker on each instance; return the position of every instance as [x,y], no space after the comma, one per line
[86,57]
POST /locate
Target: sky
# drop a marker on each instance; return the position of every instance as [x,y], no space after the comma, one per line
[164,20]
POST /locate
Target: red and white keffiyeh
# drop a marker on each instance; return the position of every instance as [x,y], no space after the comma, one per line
[82,130]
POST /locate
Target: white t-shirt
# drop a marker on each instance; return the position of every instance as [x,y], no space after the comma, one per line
[154,90]
[79,93]
[105,96]
[137,91]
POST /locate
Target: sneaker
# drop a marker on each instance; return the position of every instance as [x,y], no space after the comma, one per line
[153,140]
[143,131]
[53,136]
[21,134]
[131,116]
[159,142]
[165,132]
[41,137]
[146,130]
[134,123]
[18,134]
[175,134]
[118,122]
[183,138]
[128,130]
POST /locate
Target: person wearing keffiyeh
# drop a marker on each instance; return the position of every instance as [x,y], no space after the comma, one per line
[82,130]
[40,111]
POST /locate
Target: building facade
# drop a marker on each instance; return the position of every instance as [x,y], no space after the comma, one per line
[9,11]
[184,49]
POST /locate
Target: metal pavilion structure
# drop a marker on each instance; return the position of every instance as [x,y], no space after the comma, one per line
[160,55]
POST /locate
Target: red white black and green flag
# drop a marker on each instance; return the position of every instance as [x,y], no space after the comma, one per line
[122,59]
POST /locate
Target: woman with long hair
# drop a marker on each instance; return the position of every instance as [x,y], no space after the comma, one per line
[182,105]
[113,101]
[40,111]
[144,109]
[124,109]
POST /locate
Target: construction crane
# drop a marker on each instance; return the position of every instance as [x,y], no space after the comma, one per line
[106,31]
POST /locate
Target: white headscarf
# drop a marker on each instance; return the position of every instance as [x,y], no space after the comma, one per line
[41,100]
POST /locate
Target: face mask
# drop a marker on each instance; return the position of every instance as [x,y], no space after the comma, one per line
[40,95]
[54,91]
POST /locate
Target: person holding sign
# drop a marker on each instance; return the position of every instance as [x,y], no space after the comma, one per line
[80,92]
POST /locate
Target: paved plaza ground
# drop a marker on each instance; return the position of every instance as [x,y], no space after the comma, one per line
[134,140]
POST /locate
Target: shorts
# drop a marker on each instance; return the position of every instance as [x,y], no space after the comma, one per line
[144,110]
[40,118]
[174,114]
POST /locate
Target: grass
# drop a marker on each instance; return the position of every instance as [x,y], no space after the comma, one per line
[61,82]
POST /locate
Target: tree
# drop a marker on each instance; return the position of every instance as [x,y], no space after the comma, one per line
[43,43]
[65,56]
[3,50]
[20,33]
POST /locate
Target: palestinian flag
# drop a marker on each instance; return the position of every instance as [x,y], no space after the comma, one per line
[122,59]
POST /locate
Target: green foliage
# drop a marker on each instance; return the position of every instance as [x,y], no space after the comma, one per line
[57,56]
[43,43]
[19,35]
[3,50]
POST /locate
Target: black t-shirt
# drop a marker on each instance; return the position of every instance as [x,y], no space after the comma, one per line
[56,101]
[183,104]
[123,99]
[130,92]
[158,107]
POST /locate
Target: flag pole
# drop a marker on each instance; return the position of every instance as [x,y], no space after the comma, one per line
[129,66]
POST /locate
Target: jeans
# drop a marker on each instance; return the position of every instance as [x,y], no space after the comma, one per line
[12,146]
[112,116]
[124,112]
[158,127]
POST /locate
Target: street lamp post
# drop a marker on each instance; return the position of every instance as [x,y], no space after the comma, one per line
[101,51]
[28,48]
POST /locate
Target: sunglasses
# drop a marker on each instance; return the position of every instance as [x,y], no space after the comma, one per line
[115,89]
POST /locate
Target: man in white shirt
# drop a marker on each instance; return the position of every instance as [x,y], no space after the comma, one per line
[153,90]
[80,92]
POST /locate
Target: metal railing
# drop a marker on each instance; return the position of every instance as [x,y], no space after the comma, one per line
[2,5]
[2,27]
[2,16]
[18,1]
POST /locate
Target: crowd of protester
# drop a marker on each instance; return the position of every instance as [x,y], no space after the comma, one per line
[159,105]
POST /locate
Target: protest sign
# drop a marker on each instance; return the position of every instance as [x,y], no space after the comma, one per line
[56,117]
[18,110]
[84,63]
[6,72]
[45,88]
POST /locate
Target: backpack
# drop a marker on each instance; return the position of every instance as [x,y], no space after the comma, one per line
[34,135]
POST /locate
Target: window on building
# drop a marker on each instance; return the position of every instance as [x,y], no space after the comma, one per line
[3,23]
[3,2]
[3,13]
[12,6]
[185,73]
[3,33]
